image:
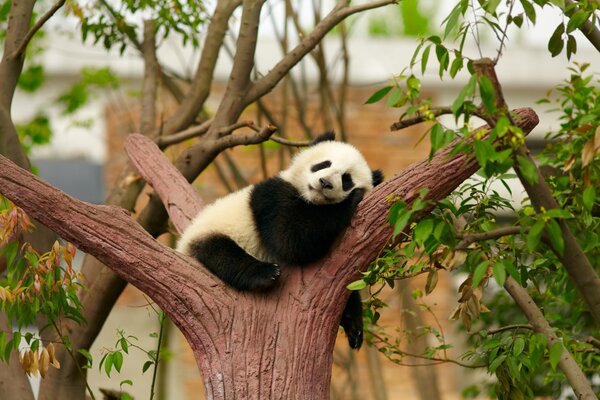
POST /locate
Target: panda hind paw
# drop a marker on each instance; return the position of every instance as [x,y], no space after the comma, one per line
[263,277]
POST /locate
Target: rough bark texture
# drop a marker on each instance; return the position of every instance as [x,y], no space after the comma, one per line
[278,345]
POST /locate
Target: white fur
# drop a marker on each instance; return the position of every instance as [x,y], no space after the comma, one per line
[231,215]
[344,158]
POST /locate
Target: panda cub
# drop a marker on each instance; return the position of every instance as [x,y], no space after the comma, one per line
[291,219]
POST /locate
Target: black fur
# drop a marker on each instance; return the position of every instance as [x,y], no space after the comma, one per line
[352,320]
[377,177]
[293,231]
[325,137]
[224,258]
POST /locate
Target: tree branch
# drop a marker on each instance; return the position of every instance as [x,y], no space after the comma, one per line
[339,13]
[198,130]
[467,239]
[577,379]
[200,87]
[150,82]
[20,51]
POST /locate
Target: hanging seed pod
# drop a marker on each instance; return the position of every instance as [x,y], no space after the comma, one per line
[44,362]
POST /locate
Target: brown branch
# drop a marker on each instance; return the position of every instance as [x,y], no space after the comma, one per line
[165,141]
[577,379]
[168,183]
[255,137]
[339,13]
[20,51]
[150,82]
[509,328]
[288,142]
[420,117]
[467,239]
[200,86]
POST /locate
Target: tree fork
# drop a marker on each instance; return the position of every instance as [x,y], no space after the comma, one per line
[278,345]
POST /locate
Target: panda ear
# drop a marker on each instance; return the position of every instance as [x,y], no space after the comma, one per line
[325,137]
[377,177]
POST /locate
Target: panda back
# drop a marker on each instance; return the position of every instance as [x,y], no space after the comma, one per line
[230,216]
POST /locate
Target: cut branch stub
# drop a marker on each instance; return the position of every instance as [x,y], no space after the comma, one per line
[179,197]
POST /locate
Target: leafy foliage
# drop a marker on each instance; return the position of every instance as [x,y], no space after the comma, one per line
[35,285]
[480,236]
[118,24]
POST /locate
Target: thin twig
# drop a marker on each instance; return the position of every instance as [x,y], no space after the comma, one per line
[508,328]
[420,117]
[38,25]
[494,234]
[165,141]
[161,318]
[70,352]
[403,353]
[288,142]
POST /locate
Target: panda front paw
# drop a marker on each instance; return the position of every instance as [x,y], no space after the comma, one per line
[356,196]
[259,277]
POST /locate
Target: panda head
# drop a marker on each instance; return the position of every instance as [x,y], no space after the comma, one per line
[328,171]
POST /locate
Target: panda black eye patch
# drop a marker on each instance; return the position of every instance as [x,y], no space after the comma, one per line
[347,182]
[320,166]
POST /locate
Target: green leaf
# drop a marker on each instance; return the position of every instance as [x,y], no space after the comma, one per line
[499,273]
[126,382]
[534,236]
[402,221]
[117,360]
[452,20]
[456,66]
[556,44]
[528,169]
[423,230]
[518,346]
[529,10]
[124,345]
[484,151]
[480,272]
[357,285]
[108,362]
[589,197]
[571,46]
[16,340]
[486,90]
[425,58]
[87,356]
[556,236]
[378,95]
[576,20]
[555,352]
[147,365]
[467,91]
[496,363]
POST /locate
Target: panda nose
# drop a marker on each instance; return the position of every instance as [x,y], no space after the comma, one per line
[325,184]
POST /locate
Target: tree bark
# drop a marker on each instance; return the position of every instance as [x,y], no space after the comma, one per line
[276,345]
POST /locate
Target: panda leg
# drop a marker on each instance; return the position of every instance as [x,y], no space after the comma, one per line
[224,258]
[352,320]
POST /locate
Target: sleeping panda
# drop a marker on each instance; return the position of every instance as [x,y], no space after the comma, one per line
[290,219]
